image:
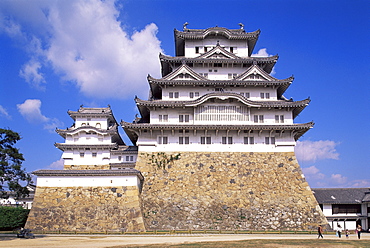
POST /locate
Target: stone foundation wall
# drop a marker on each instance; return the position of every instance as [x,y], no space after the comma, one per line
[212,190]
[87,167]
[86,209]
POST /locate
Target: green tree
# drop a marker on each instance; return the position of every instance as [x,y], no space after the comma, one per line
[12,175]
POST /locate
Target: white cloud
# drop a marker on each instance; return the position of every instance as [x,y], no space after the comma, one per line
[313,172]
[362,183]
[338,179]
[261,53]
[30,72]
[4,112]
[316,150]
[57,165]
[31,111]
[85,43]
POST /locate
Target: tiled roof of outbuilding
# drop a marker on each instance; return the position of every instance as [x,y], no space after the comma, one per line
[125,172]
[341,195]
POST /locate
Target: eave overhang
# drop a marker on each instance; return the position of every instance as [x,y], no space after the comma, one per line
[201,34]
[281,85]
[168,62]
[83,112]
[132,129]
[296,106]
[112,131]
[84,173]
[64,146]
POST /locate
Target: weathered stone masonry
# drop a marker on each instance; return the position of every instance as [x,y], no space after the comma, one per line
[234,190]
[95,209]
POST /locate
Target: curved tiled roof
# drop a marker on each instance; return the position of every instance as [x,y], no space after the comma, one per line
[232,34]
[235,81]
[200,34]
[222,95]
[63,146]
[266,62]
[299,129]
[92,112]
[64,132]
[248,60]
[125,172]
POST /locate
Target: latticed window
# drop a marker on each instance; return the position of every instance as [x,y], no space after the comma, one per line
[183,140]
[221,113]
[205,140]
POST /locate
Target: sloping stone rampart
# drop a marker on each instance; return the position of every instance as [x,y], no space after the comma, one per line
[87,167]
[90,209]
[229,190]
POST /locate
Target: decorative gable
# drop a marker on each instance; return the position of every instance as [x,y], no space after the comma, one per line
[218,53]
[255,73]
[184,72]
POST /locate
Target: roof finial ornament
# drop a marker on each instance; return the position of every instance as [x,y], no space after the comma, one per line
[241,25]
[185,25]
[218,43]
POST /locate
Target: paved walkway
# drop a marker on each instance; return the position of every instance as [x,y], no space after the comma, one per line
[100,241]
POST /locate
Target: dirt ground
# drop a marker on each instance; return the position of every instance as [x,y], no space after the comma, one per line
[106,241]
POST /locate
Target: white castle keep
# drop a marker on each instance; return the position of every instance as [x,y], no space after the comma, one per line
[214,133]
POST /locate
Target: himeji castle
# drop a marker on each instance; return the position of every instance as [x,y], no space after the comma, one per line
[213,148]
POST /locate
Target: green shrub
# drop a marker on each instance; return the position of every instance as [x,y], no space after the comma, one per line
[12,218]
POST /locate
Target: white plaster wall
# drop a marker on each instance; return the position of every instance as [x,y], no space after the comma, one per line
[123,158]
[173,116]
[88,181]
[94,122]
[284,143]
[83,138]
[72,157]
[254,92]
[327,209]
[241,51]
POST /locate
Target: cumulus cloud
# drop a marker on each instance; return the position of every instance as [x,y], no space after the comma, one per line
[57,165]
[85,43]
[313,172]
[316,150]
[31,111]
[4,112]
[30,72]
[261,53]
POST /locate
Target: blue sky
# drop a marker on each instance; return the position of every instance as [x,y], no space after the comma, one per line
[57,55]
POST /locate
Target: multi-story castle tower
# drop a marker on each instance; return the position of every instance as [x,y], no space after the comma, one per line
[216,139]
[214,146]
[99,189]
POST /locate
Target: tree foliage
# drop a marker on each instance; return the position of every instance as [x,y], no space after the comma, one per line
[12,175]
[12,218]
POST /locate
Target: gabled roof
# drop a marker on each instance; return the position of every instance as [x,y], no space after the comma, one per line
[83,112]
[167,62]
[218,52]
[184,69]
[201,34]
[341,195]
[241,80]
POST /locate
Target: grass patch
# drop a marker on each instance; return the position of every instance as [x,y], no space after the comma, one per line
[267,243]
